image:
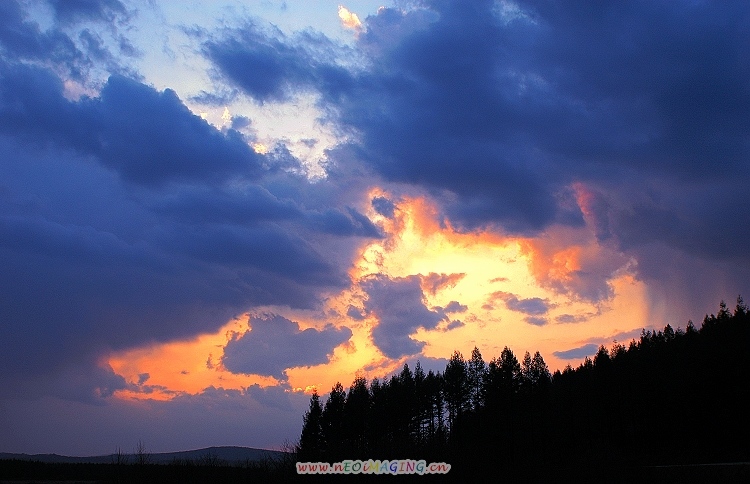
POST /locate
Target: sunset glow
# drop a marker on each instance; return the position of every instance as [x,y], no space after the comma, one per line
[210,210]
[481,271]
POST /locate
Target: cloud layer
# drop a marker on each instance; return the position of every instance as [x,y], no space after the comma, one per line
[502,109]
[399,306]
[275,344]
[127,218]
[609,139]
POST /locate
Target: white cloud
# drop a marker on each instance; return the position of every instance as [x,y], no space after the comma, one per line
[349,19]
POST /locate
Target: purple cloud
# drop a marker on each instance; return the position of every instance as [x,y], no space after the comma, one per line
[455,307]
[274,344]
[536,320]
[534,306]
[577,353]
[503,114]
[572,318]
[399,305]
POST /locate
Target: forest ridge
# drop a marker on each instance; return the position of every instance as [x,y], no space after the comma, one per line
[670,397]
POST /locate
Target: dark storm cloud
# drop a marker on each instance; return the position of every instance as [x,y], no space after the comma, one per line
[125,218]
[149,137]
[270,66]
[95,46]
[499,108]
[72,48]
[399,305]
[673,69]
[92,264]
[21,38]
[443,120]
[275,344]
[253,204]
[99,54]
[267,249]
[351,222]
[384,206]
[82,380]
[220,205]
[88,384]
[708,226]
[272,397]
[71,291]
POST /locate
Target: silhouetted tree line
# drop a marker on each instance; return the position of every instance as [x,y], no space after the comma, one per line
[670,397]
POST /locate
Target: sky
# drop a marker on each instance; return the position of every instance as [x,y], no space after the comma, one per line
[209,210]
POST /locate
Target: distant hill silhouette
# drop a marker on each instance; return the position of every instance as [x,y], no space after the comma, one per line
[213,464]
[224,454]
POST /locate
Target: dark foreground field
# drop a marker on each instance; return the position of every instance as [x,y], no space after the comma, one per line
[176,472]
[22,471]
[214,464]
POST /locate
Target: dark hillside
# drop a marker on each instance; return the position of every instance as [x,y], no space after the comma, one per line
[672,399]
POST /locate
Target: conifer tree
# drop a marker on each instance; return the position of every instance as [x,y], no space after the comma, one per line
[477,369]
[539,371]
[527,380]
[457,389]
[311,443]
[510,371]
[356,416]
[332,421]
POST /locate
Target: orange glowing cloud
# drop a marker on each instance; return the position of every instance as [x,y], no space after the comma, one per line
[161,371]
[546,293]
[572,261]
